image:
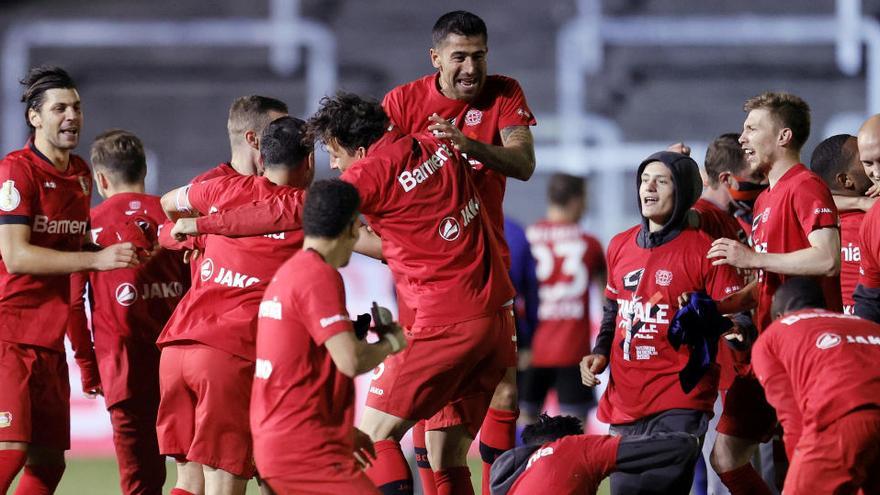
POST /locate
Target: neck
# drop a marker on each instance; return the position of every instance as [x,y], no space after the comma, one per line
[781,166]
[561,214]
[717,195]
[242,161]
[329,249]
[113,190]
[280,176]
[59,158]
[654,226]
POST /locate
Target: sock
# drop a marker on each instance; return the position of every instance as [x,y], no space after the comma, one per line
[744,480]
[496,437]
[11,462]
[390,472]
[180,491]
[454,481]
[40,479]
[426,474]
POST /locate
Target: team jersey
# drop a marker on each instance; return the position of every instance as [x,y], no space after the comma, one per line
[34,308]
[302,406]
[819,364]
[572,465]
[850,256]
[418,196]
[567,260]
[500,104]
[869,244]
[221,308]
[718,223]
[646,284]
[129,306]
[785,214]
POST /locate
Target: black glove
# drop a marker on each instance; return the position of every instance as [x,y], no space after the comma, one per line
[362,325]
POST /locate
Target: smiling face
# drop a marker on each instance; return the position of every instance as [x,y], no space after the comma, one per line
[340,158]
[657,194]
[59,119]
[869,153]
[462,64]
[760,139]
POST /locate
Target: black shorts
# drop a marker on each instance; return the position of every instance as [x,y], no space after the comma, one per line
[536,382]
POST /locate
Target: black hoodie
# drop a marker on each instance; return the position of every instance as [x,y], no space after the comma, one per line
[688,187]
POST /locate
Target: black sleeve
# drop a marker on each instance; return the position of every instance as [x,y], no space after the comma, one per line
[639,453]
[606,329]
[867,303]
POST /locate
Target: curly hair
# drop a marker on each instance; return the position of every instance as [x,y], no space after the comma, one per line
[349,121]
[550,428]
[39,80]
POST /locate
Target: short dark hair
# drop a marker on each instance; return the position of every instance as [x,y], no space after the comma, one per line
[550,428]
[797,293]
[562,188]
[350,121]
[831,157]
[252,112]
[725,154]
[331,206]
[789,110]
[39,80]
[284,144]
[121,154]
[458,22]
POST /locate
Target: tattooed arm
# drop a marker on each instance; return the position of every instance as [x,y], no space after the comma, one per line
[514,158]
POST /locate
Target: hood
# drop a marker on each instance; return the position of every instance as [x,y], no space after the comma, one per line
[507,468]
[688,187]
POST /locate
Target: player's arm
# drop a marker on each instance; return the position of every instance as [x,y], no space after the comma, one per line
[176,204]
[514,158]
[594,364]
[777,386]
[863,203]
[353,356]
[278,214]
[369,243]
[821,258]
[22,257]
[81,338]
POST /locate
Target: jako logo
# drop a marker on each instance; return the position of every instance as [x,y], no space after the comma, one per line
[828,340]
[377,371]
[449,229]
[263,369]
[207,269]
[126,294]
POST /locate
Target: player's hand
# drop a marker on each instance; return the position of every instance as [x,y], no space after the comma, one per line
[443,129]
[190,256]
[184,227]
[122,255]
[364,453]
[679,148]
[591,367]
[93,392]
[733,253]
[396,332]
[873,191]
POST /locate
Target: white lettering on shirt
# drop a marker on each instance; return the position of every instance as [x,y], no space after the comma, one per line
[270,309]
[42,224]
[263,369]
[230,278]
[326,322]
[539,454]
[409,179]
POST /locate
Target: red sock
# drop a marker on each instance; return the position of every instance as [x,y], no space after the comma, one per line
[744,480]
[390,472]
[496,437]
[425,472]
[454,481]
[40,479]
[11,462]
[180,491]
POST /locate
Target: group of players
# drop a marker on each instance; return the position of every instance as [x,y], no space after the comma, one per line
[256,350]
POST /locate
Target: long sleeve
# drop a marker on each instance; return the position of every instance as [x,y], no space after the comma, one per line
[279,214]
[606,328]
[79,334]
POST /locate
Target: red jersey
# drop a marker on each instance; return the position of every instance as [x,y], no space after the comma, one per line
[850,256]
[869,244]
[34,308]
[130,306]
[785,214]
[572,465]
[567,259]
[646,284]
[717,222]
[500,104]
[221,308]
[820,364]
[302,406]
[417,194]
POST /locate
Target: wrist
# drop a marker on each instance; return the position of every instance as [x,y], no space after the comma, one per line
[393,342]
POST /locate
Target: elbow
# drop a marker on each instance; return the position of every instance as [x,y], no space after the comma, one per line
[14,264]
[831,267]
[528,169]
[169,205]
[348,368]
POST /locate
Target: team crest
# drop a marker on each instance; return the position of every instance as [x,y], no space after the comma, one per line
[473,117]
[523,113]
[9,196]
[663,278]
[5,419]
[631,280]
[134,205]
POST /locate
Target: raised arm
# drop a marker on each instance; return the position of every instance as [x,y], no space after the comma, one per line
[353,356]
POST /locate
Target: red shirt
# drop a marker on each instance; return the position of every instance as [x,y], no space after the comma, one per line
[34,308]
[221,308]
[785,214]
[418,195]
[850,256]
[820,365]
[869,244]
[717,222]
[302,406]
[646,284]
[129,307]
[572,465]
[500,104]
[567,259]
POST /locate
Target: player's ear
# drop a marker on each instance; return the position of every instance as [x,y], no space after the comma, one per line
[435,57]
[842,179]
[784,137]
[34,118]
[360,153]
[727,179]
[252,139]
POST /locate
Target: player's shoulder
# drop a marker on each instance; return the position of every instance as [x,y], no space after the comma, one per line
[22,160]
[623,239]
[502,84]
[696,237]
[417,88]
[222,170]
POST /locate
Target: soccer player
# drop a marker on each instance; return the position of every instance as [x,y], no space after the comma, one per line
[302,406]
[128,310]
[820,368]
[44,210]
[649,267]
[795,232]
[836,161]
[570,262]
[207,362]
[487,118]
[558,458]
[867,293]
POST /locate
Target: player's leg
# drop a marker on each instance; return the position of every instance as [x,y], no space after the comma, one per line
[12,458]
[190,479]
[141,467]
[16,363]
[42,471]
[498,432]
[426,473]
[389,471]
[574,399]
[447,451]
[220,482]
[535,383]
[731,459]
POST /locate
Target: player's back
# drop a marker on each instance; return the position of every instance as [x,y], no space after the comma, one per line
[718,223]
[850,256]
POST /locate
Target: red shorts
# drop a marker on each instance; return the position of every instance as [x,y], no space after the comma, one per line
[746,412]
[841,459]
[35,391]
[351,483]
[205,395]
[447,374]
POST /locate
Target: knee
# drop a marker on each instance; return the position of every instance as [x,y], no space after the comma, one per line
[448,448]
[381,426]
[729,454]
[505,396]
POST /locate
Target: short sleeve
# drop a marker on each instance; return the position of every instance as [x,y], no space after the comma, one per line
[814,206]
[595,255]
[869,268]
[514,111]
[322,306]
[17,193]
[721,280]
[391,104]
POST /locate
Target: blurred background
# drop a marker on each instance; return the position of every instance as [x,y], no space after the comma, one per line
[609,81]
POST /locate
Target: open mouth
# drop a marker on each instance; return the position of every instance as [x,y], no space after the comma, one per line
[649,200]
[748,151]
[70,132]
[468,83]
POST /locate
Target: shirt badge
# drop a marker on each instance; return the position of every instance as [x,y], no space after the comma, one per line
[663,277]
[473,117]
[9,196]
